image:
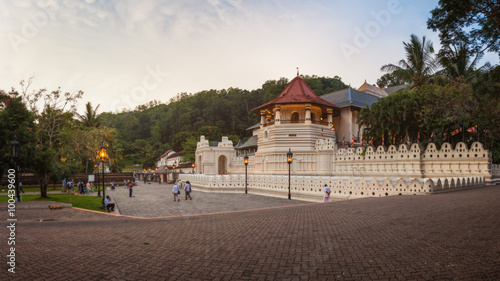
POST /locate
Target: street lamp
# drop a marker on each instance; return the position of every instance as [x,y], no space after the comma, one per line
[173,171]
[192,165]
[245,160]
[289,159]
[155,175]
[15,155]
[103,154]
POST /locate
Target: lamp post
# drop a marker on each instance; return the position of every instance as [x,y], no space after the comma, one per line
[173,171]
[192,165]
[155,175]
[103,155]
[15,155]
[245,160]
[289,159]
[166,173]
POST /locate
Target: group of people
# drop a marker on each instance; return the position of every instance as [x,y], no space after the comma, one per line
[176,190]
[68,186]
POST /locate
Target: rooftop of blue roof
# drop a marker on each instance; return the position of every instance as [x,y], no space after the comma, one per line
[350,97]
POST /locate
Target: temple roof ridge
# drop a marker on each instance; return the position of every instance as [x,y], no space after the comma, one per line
[297,91]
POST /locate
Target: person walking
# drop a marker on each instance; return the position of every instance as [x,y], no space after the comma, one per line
[180,183]
[64,185]
[176,192]
[125,183]
[112,185]
[326,198]
[21,187]
[188,190]
[130,185]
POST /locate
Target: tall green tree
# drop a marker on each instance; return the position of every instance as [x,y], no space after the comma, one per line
[475,23]
[419,64]
[459,61]
[57,110]
[15,122]
[90,118]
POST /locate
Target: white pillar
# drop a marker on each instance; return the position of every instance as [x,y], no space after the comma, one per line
[277,116]
[329,113]
[308,114]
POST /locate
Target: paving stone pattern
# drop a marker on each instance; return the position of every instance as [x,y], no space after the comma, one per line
[155,200]
[448,236]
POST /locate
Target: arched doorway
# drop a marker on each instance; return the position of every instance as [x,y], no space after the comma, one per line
[295,117]
[222,167]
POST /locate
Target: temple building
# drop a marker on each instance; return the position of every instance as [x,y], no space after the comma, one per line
[310,127]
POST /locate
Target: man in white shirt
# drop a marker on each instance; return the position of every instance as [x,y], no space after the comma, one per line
[176,192]
[180,184]
[326,198]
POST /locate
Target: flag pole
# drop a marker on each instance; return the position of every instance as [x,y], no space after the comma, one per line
[463,133]
[477,132]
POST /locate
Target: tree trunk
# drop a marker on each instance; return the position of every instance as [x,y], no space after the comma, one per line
[43,189]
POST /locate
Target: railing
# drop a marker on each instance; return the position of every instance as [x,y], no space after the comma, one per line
[320,122]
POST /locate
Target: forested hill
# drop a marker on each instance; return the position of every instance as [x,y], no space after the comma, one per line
[151,129]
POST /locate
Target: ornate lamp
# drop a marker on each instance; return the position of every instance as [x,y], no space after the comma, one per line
[103,155]
[289,160]
[245,160]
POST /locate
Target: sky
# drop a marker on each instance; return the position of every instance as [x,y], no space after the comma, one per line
[125,53]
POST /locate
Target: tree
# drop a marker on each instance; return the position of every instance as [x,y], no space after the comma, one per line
[90,118]
[180,139]
[475,23]
[389,80]
[15,120]
[189,147]
[57,110]
[458,61]
[272,88]
[433,109]
[419,65]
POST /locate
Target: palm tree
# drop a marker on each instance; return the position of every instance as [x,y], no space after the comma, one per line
[459,61]
[90,118]
[419,65]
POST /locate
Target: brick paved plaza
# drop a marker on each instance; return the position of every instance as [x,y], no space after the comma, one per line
[448,236]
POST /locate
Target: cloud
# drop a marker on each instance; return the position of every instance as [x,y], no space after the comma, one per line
[105,48]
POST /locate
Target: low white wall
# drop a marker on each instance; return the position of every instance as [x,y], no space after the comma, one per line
[310,188]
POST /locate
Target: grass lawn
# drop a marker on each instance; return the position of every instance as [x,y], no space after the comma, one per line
[35,189]
[84,202]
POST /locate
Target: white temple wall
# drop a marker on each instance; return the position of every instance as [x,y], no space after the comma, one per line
[352,172]
[310,188]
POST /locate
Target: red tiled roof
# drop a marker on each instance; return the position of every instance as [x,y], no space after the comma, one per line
[177,154]
[168,151]
[297,91]
[163,155]
[372,90]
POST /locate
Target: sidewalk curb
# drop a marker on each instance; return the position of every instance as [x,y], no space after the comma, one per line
[39,206]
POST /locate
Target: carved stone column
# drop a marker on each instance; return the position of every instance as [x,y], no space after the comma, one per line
[308,113]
